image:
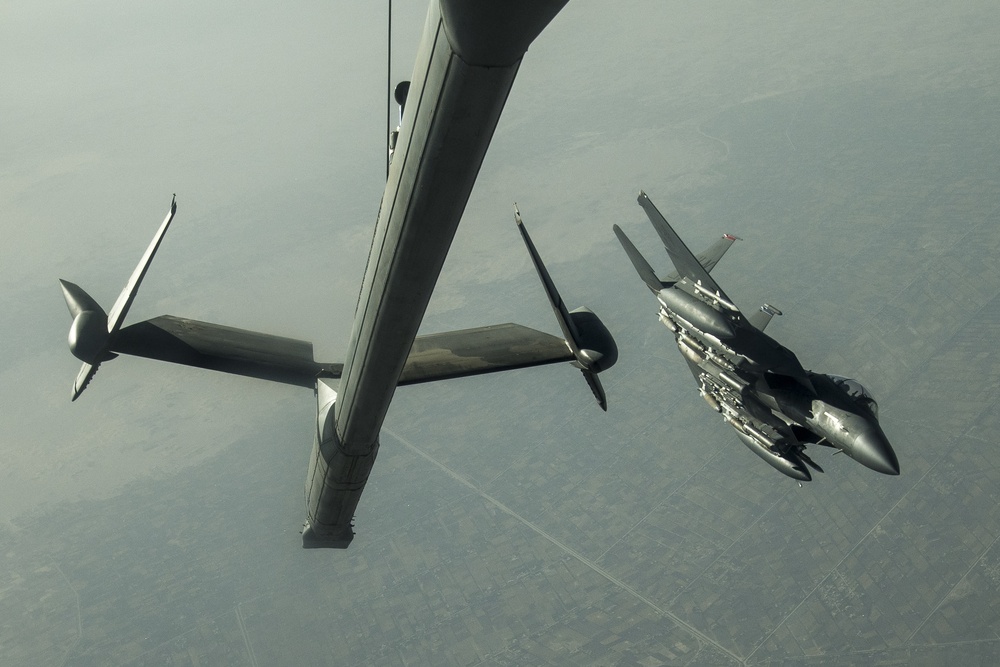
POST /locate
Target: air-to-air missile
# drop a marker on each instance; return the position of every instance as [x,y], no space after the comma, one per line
[758,386]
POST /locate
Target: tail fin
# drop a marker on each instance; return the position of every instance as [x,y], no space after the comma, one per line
[587,337]
[125,299]
[688,266]
[686,263]
[711,255]
[642,267]
[93,331]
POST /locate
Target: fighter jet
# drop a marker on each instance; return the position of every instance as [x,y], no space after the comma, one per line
[466,64]
[757,385]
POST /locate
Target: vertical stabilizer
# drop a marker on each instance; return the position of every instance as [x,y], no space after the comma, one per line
[642,267]
[93,331]
[587,337]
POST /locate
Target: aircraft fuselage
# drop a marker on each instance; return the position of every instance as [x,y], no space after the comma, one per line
[761,390]
[468,58]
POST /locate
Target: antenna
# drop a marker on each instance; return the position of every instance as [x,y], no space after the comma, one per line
[388,85]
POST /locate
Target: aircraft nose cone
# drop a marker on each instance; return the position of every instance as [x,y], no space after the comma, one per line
[873,450]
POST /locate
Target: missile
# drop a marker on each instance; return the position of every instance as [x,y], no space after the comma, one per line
[712,401]
[690,349]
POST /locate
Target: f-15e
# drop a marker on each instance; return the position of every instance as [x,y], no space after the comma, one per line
[758,386]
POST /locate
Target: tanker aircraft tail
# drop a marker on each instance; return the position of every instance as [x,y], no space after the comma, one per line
[465,67]
[588,339]
[96,337]
[93,331]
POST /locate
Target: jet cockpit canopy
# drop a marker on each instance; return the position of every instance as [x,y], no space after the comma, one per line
[856,391]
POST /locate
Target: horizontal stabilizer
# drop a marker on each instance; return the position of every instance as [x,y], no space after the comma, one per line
[226,349]
[439,356]
[808,461]
[710,257]
[489,349]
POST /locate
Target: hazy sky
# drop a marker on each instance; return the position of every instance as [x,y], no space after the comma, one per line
[854,148]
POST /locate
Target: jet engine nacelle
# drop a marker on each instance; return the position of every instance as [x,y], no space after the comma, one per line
[598,349]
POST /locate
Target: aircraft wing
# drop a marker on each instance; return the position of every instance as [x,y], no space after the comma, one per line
[287,360]
[687,265]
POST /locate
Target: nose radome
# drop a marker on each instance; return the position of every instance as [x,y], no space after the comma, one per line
[873,450]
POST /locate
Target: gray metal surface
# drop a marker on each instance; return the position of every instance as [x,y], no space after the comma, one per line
[466,64]
[758,386]
[452,111]
[440,356]
[455,354]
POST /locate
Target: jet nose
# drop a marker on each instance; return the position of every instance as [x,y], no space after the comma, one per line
[872,449]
